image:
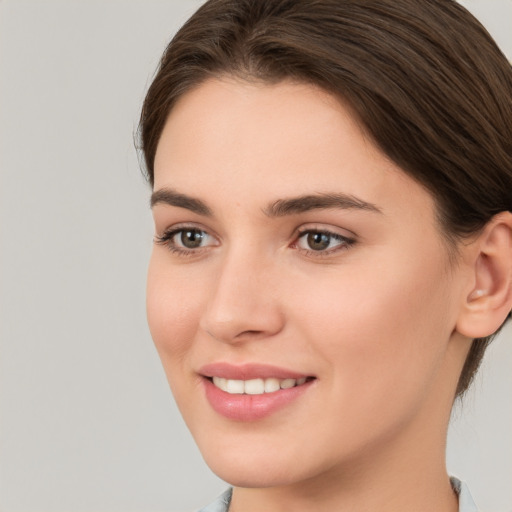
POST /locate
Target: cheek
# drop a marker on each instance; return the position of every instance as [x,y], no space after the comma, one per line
[173,302]
[381,332]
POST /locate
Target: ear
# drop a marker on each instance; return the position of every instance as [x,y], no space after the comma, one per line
[488,297]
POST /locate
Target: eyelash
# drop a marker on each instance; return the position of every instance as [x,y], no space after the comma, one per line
[167,237]
[345,242]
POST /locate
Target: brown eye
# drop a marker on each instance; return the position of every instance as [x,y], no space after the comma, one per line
[186,240]
[190,238]
[318,241]
[322,242]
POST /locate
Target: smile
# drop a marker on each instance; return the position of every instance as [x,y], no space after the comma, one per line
[256,386]
[252,392]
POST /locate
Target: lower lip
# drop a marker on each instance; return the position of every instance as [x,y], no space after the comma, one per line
[251,407]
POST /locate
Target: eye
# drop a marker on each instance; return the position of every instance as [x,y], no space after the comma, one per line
[322,241]
[190,238]
[186,240]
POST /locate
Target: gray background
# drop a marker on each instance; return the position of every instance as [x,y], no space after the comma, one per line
[86,420]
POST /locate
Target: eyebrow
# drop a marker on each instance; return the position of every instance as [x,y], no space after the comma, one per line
[279,208]
[173,198]
[305,203]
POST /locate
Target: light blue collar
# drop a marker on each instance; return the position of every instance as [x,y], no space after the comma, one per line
[466,503]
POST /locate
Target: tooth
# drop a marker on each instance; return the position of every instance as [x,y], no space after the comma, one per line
[272,385]
[235,387]
[287,383]
[220,382]
[254,386]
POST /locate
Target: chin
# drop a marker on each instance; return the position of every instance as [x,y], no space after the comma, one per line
[254,474]
[250,462]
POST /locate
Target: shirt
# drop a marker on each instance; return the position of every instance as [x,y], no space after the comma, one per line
[466,503]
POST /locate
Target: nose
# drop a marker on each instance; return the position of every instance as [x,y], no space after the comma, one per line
[244,303]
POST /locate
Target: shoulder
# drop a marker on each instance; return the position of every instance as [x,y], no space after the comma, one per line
[221,504]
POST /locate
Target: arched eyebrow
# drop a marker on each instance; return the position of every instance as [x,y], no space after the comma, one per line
[305,203]
[173,198]
[279,208]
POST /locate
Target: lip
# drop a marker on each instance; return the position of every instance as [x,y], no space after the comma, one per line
[248,371]
[248,408]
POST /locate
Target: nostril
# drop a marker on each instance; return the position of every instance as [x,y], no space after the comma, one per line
[249,333]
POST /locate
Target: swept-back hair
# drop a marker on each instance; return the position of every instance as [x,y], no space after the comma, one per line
[426,81]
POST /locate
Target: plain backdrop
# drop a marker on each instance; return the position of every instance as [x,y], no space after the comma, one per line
[87,423]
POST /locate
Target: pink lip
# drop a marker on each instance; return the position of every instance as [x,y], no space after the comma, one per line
[248,371]
[250,407]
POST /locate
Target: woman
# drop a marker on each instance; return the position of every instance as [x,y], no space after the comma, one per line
[332,195]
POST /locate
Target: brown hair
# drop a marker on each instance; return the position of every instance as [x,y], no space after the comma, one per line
[426,80]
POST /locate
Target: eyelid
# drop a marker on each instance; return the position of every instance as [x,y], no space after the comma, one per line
[181,226]
[346,240]
[325,228]
[166,238]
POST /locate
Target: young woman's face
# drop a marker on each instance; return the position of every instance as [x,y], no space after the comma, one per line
[300,294]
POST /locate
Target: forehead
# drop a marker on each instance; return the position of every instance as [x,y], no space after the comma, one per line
[260,141]
[220,113]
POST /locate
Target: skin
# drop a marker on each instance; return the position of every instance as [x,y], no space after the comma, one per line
[374,320]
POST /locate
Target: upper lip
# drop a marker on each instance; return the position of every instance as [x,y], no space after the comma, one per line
[248,371]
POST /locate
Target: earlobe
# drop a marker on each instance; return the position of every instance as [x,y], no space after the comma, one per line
[489,300]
